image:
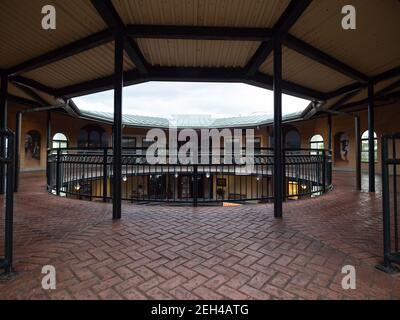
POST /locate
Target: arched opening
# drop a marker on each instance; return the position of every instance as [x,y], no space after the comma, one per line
[365,147]
[60,140]
[32,147]
[92,136]
[341,147]
[316,143]
[292,139]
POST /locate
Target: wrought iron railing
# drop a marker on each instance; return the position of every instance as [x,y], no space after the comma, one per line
[6,224]
[390,192]
[87,174]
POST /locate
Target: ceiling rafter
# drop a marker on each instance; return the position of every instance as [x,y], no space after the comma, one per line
[63,52]
[198,33]
[110,16]
[281,27]
[33,94]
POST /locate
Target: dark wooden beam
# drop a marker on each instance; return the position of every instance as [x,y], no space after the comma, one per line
[66,51]
[98,85]
[323,58]
[345,89]
[380,95]
[281,27]
[288,87]
[199,33]
[23,101]
[344,99]
[189,74]
[33,94]
[30,83]
[110,16]
[391,73]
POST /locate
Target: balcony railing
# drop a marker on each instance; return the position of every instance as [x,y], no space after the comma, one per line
[88,174]
[390,193]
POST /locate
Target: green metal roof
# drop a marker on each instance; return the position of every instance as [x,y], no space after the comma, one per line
[188,121]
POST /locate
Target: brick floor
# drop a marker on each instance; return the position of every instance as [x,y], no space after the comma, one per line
[160,252]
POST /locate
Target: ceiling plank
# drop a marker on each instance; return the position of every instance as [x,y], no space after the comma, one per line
[317,55]
[66,51]
[110,16]
[281,27]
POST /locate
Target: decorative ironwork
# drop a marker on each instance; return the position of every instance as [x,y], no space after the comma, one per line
[390,192]
[88,174]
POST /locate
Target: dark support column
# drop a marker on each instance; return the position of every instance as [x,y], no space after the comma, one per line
[3,126]
[117,145]
[48,131]
[330,132]
[18,128]
[48,145]
[330,149]
[278,156]
[358,152]
[371,138]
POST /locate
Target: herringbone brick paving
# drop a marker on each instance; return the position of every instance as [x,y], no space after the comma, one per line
[161,252]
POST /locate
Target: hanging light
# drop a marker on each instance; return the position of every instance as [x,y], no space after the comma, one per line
[176,175]
[207,175]
[258,178]
[124,178]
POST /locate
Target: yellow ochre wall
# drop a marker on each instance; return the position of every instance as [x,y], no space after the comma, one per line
[387,120]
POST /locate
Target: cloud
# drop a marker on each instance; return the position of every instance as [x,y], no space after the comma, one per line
[171,98]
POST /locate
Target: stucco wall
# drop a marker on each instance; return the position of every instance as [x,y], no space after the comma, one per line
[387,120]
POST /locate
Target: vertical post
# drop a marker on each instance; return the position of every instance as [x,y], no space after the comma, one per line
[358,152]
[386,203]
[58,172]
[117,145]
[3,126]
[278,168]
[18,128]
[195,185]
[48,145]
[324,170]
[371,138]
[330,150]
[105,173]
[9,212]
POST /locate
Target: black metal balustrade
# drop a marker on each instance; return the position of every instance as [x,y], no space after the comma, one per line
[390,192]
[6,224]
[87,174]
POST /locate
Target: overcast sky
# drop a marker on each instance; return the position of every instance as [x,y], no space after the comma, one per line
[174,98]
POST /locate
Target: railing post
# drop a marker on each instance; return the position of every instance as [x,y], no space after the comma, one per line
[195,185]
[324,171]
[105,173]
[386,203]
[58,172]
[17,147]
[358,152]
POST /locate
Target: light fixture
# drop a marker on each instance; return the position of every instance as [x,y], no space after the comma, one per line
[258,178]
[303,186]
[124,178]
[176,175]
[207,175]
[78,187]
